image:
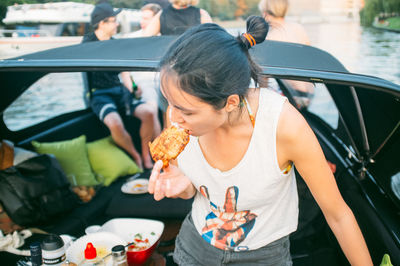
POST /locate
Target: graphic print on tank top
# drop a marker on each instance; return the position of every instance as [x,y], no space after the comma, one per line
[226,228]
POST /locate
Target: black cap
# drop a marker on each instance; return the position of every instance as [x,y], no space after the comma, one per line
[52,242]
[103,11]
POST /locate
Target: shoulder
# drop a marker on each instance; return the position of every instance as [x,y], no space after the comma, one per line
[205,17]
[291,124]
[300,32]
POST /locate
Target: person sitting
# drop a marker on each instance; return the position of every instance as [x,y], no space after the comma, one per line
[147,12]
[175,19]
[110,98]
[274,12]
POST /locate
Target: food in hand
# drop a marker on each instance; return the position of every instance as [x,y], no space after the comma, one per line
[169,144]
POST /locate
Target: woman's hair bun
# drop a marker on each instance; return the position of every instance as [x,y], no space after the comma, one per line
[257,28]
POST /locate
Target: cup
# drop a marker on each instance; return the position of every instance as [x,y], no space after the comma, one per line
[92,229]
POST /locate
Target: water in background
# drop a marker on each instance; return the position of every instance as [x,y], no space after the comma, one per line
[361,50]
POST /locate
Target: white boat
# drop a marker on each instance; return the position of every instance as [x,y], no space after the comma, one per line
[33,27]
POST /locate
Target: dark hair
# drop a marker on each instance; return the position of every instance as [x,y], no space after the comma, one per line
[211,64]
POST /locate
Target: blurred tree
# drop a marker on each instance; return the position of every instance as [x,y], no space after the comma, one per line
[241,8]
[230,9]
[373,8]
[135,4]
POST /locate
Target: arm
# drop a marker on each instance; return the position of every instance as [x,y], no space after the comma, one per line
[205,17]
[126,80]
[296,142]
[153,28]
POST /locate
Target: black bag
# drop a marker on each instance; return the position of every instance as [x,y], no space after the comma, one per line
[35,190]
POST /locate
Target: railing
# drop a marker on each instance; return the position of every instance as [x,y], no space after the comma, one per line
[24,33]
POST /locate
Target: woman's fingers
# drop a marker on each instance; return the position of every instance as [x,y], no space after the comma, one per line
[159,190]
[168,188]
[155,173]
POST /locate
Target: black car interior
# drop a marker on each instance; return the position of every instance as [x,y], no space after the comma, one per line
[312,244]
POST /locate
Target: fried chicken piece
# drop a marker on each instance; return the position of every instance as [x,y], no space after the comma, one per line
[169,144]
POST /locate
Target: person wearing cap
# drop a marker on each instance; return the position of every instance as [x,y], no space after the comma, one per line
[110,98]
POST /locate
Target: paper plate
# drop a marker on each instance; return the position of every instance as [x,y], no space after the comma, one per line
[102,241]
[137,186]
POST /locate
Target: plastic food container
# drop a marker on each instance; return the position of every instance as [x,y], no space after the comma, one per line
[129,229]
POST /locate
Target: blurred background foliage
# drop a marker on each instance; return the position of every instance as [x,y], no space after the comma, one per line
[375,8]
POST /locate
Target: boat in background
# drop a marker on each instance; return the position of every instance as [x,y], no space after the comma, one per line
[35,27]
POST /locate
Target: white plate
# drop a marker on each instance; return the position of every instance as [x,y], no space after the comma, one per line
[137,186]
[102,241]
[127,228]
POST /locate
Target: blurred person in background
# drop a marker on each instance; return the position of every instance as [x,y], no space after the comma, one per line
[175,19]
[147,13]
[110,98]
[274,12]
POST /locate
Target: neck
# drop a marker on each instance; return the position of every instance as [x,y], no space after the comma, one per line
[101,35]
[275,20]
[179,7]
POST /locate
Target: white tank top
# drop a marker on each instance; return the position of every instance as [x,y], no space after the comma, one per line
[252,204]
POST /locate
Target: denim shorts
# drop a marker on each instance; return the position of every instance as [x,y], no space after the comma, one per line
[192,250]
[115,99]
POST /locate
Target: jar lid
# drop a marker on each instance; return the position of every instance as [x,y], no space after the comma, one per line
[52,242]
[118,250]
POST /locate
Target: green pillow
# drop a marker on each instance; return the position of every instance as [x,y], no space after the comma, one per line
[386,261]
[108,161]
[72,156]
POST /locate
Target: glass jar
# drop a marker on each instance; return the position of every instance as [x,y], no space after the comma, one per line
[119,256]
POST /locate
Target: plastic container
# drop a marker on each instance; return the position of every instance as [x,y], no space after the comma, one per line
[128,228]
[53,251]
[91,258]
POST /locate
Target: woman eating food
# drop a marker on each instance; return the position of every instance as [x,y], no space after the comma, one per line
[238,163]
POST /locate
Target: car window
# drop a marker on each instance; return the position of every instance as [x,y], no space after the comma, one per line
[311,96]
[323,106]
[50,96]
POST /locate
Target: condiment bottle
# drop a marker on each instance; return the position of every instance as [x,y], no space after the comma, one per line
[91,258]
[119,256]
[53,251]
[36,254]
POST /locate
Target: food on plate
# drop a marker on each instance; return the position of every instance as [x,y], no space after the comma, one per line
[138,187]
[139,243]
[169,144]
[85,193]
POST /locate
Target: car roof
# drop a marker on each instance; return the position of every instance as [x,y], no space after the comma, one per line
[120,51]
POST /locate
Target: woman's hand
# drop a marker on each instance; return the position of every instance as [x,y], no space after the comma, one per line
[170,183]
